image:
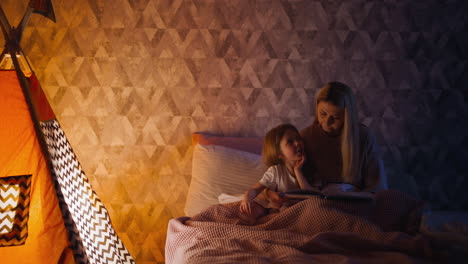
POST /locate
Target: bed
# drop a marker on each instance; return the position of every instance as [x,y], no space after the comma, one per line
[392,228]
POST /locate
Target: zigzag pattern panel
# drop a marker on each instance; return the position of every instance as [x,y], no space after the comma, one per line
[14,209]
[76,242]
[101,243]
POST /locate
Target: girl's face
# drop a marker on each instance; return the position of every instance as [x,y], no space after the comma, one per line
[330,117]
[291,146]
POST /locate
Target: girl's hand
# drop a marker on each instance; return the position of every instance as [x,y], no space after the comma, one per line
[246,206]
[299,163]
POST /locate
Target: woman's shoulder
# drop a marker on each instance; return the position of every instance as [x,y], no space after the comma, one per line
[366,135]
[363,129]
[310,130]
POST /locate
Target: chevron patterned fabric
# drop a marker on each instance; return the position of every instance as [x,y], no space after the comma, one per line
[93,227]
[14,209]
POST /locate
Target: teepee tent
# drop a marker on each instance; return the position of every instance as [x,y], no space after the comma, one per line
[48,210]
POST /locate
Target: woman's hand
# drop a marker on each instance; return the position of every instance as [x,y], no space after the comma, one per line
[338,188]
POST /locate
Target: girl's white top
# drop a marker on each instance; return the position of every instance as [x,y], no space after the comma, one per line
[277,178]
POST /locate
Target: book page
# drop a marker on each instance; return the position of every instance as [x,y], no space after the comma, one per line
[331,191]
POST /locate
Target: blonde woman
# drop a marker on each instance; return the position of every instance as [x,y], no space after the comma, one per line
[338,148]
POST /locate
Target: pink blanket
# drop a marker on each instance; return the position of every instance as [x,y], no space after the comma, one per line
[315,230]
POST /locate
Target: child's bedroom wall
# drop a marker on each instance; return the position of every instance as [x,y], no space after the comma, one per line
[131,80]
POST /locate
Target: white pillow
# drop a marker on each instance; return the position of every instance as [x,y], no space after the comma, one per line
[217,169]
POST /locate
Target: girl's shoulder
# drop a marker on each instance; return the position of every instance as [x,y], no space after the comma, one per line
[275,169]
[271,174]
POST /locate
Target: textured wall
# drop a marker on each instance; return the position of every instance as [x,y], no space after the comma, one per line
[130,80]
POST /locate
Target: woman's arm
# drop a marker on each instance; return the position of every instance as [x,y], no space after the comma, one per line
[249,196]
[374,175]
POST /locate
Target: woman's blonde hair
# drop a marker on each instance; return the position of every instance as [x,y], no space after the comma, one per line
[341,95]
[271,152]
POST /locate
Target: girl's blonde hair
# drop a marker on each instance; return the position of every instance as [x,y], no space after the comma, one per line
[271,151]
[341,95]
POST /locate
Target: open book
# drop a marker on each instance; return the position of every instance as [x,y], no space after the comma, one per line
[327,194]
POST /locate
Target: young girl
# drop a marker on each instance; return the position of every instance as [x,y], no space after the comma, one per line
[283,153]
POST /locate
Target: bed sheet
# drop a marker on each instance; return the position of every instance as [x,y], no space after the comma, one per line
[313,230]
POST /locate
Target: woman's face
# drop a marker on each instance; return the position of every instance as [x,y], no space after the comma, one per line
[330,117]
